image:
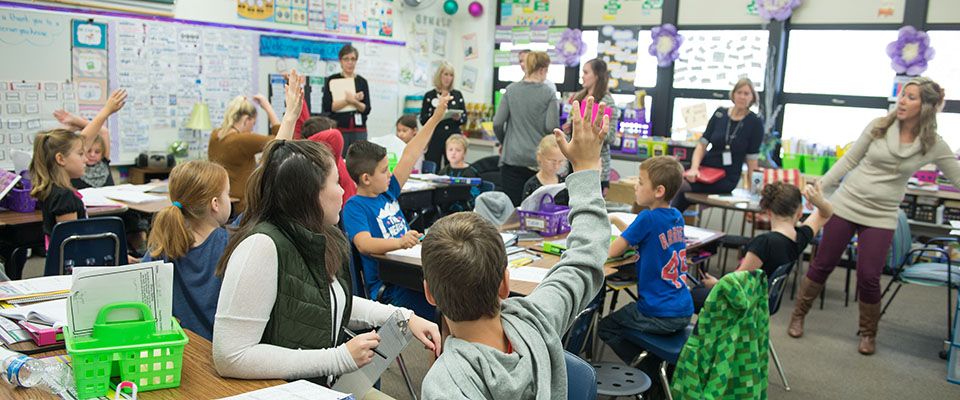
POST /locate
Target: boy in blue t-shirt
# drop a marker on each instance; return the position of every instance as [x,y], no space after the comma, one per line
[372,218]
[664,304]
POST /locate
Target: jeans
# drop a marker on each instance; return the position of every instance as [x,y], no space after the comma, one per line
[629,317]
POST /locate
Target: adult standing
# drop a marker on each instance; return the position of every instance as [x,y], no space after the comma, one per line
[443,84]
[889,151]
[527,112]
[733,136]
[351,105]
[596,78]
[234,145]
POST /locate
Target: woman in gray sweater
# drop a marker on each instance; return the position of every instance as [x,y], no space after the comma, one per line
[890,150]
[528,111]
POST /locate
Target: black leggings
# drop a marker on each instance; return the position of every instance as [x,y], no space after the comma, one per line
[513,178]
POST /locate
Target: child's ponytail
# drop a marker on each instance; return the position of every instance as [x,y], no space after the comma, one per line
[44,170]
[192,186]
[781,198]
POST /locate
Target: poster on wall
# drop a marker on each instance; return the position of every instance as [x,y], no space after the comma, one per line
[91,35]
[469,81]
[440,42]
[533,12]
[470,46]
[618,47]
[260,10]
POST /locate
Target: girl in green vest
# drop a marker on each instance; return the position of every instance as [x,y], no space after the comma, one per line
[286,295]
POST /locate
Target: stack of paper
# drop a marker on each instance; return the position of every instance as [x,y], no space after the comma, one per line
[44,287]
[413,252]
[532,202]
[297,390]
[150,283]
[52,313]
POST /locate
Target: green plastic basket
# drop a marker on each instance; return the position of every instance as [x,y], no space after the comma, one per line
[814,165]
[792,161]
[132,350]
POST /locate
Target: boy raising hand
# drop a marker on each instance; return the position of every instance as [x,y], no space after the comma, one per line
[503,348]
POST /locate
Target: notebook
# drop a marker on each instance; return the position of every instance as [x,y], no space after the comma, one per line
[52,313]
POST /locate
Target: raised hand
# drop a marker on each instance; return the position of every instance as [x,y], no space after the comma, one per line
[583,150]
[116,101]
[70,119]
[441,109]
[260,99]
[293,94]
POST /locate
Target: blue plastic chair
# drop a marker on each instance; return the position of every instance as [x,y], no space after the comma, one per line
[778,283]
[581,378]
[665,347]
[428,167]
[487,186]
[100,241]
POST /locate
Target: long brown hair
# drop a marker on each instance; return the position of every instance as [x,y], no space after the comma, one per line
[930,97]
[599,69]
[192,185]
[280,190]
[44,169]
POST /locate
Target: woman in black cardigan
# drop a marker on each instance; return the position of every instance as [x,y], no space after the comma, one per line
[352,124]
[443,82]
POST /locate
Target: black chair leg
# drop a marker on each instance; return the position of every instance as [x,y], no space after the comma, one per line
[895,291]
[846,289]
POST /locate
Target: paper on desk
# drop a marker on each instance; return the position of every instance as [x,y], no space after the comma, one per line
[411,185]
[12,333]
[53,313]
[394,336]
[150,283]
[297,390]
[34,286]
[696,234]
[528,274]
[532,202]
[413,252]
[96,197]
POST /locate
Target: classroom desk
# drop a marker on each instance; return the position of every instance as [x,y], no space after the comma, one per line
[413,202]
[407,272]
[198,378]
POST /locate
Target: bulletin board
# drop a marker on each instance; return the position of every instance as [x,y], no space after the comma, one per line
[534,12]
[166,67]
[622,12]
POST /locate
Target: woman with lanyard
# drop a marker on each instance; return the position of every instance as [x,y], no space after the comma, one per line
[732,137]
[350,109]
[889,151]
[443,84]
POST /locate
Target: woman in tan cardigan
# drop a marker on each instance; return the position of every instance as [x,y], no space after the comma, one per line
[235,146]
[890,150]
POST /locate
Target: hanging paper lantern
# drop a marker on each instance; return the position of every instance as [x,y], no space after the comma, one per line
[666,44]
[450,7]
[779,10]
[475,9]
[910,52]
[571,47]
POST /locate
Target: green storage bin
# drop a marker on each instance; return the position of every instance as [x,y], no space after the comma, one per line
[132,350]
[831,161]
[814,165]
[792,161]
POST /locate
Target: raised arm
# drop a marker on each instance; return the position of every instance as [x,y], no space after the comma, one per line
[262,101]
[573,282]
[293,92]
[115,102]
[419,142]
[814,195]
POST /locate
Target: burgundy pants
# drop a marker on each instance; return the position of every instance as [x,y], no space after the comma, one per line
[872,248]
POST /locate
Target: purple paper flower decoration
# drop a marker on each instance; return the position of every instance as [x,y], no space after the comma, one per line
[666,44]
[910,52]
[571,47]
[779,10]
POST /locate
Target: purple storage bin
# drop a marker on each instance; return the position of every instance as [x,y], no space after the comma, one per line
[550,220]
[19,199]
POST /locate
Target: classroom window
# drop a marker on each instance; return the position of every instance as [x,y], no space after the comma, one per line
[690,116]
[827,125]
[840,62]
[948,126]
[945,66]
[715,60]
[513,73]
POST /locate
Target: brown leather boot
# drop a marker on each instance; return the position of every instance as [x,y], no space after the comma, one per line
[809,290]
[869,319]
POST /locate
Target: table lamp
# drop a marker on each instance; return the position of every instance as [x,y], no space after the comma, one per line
[199,121]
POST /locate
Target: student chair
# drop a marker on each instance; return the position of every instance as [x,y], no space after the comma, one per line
[666,347]
[581,378]
[489,170]
[428,167]
[100,241]
[360,289]
[778,283]
[931,266]
[487,186]
[578,338]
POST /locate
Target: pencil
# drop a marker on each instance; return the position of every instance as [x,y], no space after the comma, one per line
[353,335]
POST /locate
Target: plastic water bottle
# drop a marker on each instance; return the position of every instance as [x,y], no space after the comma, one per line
[49,375]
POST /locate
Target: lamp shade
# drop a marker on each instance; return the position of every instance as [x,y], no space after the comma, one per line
[200,118]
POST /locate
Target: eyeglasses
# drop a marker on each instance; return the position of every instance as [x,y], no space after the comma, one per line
[554,162]
[349,59]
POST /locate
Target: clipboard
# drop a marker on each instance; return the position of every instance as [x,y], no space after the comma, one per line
[337,89]
[394,336]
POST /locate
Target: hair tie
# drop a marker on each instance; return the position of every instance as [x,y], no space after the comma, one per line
[178,205]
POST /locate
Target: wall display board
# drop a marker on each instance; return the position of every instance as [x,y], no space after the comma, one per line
[622,12]
[534,12]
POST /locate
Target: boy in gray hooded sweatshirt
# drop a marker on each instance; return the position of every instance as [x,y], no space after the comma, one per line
[503,348]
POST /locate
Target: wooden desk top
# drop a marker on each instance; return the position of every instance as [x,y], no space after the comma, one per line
[198,378]
[18,218]
[703,198]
